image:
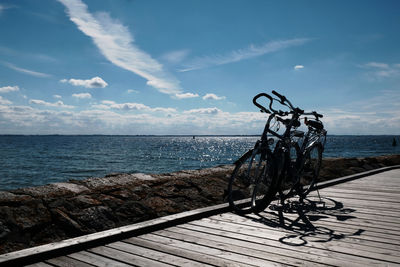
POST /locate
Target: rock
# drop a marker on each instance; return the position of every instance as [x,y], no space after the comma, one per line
[66,223]
[95,219]
[4,231]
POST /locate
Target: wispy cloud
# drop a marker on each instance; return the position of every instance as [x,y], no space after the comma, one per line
[213,97]
[116,43]
[59,103]
[4,7]
[4,101]
[298,67]
[26,71]
[382,70]
[95,82]
[243,54]
[176,56]
[82,96]
[7,89]
[186,95]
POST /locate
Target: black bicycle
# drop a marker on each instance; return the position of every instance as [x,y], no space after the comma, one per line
[263,171]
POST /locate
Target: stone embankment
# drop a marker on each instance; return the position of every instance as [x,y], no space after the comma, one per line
[49,213]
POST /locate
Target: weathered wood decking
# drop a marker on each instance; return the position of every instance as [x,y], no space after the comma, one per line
[355,223]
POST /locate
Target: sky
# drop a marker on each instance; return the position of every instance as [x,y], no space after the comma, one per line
[193,67]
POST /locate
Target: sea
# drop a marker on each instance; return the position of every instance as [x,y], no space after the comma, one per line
[32,160]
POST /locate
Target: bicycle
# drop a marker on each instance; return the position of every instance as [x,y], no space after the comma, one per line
[306,169]
[258,174]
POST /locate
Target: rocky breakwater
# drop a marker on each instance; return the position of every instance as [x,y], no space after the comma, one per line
[38,215]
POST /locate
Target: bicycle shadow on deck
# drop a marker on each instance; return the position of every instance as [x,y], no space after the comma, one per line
[301,227]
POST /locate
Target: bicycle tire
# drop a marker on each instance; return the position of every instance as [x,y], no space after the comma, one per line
[265,188]
[241,184]
[288,181]
[310,170]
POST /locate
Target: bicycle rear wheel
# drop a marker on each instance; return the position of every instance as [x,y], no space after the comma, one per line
[242,182]
[309,172]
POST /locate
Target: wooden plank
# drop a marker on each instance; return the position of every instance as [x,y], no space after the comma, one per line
[334,251]
[170,246]
[322,234]
[263,223]
[344,189]
[153,242]
[241,258]
[353,177]
[39,264]
[309,254]
[361,195]
[154,254]
[350,238]
[65,261]
[127,258]
[228,248]
[372,189]
[337,216]
[96,260]
[352,221]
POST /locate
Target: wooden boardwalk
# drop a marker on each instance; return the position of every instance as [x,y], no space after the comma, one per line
[356,223]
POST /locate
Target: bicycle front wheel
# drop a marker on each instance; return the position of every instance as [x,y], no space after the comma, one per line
[265,189]
[310,169]
[242,182]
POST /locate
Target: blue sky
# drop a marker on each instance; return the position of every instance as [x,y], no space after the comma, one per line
[193,67]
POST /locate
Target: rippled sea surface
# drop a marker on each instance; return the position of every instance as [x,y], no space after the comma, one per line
[37,160]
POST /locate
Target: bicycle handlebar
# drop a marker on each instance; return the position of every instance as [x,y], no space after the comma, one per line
[315,114]
[282,98]
[261,107]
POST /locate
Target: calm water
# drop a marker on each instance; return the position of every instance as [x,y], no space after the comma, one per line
[37,160]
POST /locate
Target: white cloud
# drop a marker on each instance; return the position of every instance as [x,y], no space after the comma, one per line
[57,96]
[26,71]
[165,110]
[95,82]
[48,104]
[130,91]
[212,111]
[4,101]
[186,95]
[108,104]
[130,106]
[383,117]
[298,67]
[242,54]
[7,89]
[82,96]
[213,97]
[116,43]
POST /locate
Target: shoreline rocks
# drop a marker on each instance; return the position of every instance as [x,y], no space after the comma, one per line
[38,215]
